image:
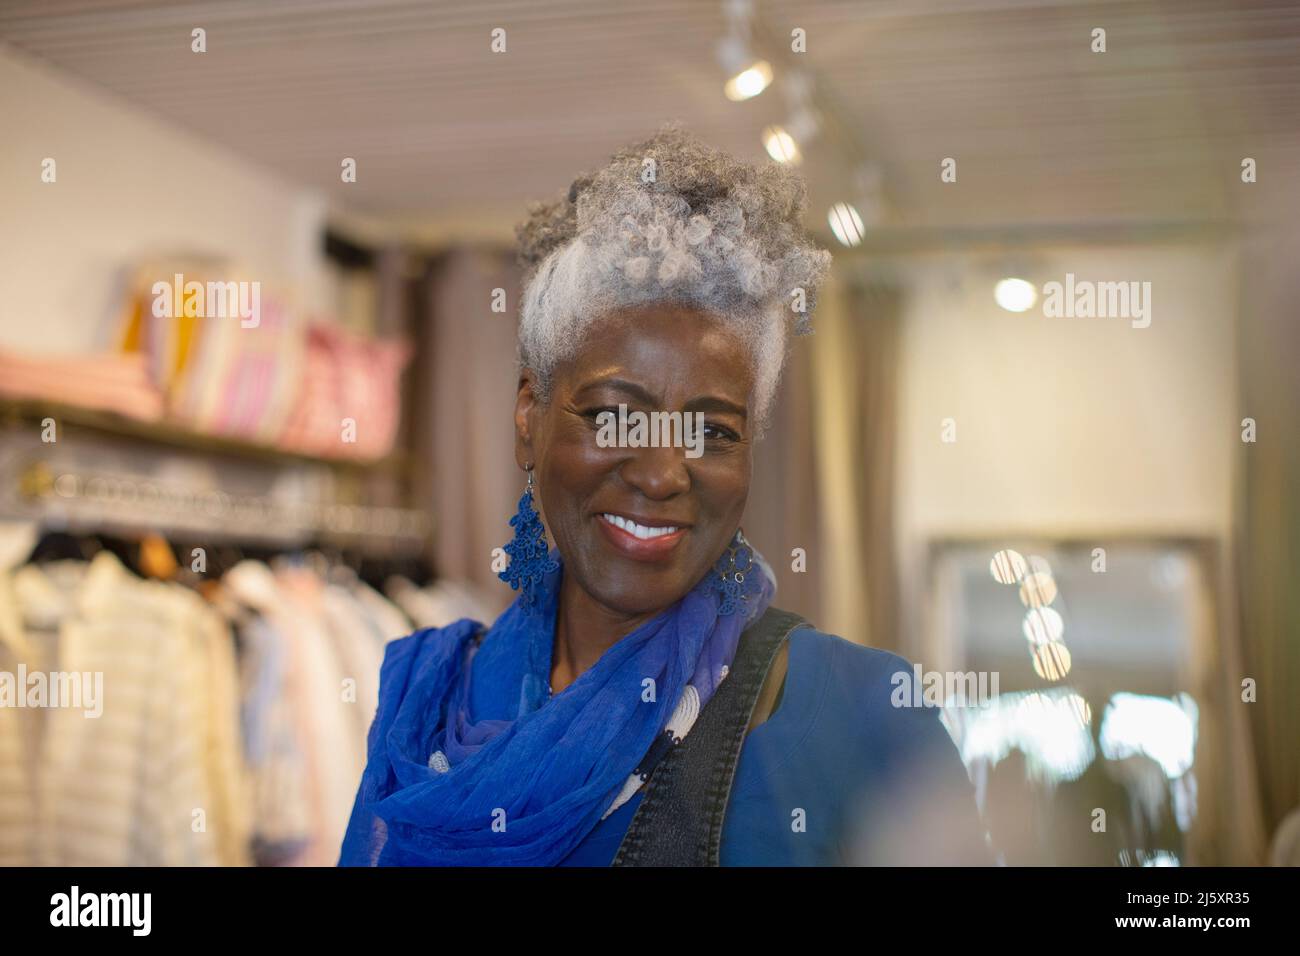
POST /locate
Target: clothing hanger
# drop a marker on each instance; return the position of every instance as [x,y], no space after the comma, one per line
[320,556]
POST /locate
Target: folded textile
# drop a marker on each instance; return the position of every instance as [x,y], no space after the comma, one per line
[106,382]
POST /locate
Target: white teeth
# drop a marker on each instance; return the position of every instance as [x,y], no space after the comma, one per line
[641,531]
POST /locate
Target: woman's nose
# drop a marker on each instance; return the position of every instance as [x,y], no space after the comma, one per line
[657,473]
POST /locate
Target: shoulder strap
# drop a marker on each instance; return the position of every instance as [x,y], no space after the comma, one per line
[679,820]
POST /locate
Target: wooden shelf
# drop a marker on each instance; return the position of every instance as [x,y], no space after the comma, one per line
[30,413]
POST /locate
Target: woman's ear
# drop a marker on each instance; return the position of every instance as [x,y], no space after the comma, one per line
[526,405]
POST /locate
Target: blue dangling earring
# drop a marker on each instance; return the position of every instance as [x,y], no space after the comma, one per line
[729,574]
[530,559]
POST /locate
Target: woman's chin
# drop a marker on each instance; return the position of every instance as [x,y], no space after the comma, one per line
[636,594]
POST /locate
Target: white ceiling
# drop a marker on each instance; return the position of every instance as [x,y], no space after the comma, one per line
[1045,132]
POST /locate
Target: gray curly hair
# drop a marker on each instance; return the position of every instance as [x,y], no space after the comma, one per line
[670,219]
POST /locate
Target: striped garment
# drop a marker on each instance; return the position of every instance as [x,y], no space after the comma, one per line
[156,779]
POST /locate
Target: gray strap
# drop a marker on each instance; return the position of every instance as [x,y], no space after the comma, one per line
[679,820]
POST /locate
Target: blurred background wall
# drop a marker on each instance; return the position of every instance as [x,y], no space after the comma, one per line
[129,184]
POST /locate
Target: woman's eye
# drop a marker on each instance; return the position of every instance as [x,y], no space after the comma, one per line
[601,416]
[719,432]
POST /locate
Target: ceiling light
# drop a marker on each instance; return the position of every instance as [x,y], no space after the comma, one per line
[1015,295]
[780,145]
[750,81]
[846,224]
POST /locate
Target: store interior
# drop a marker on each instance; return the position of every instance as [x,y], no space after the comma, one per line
[230,519]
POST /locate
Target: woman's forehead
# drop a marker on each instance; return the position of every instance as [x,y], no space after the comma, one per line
[663,348]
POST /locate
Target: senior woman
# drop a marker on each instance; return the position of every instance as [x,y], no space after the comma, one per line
[641,702]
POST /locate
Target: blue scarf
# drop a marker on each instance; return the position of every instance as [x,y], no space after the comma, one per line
[493,770]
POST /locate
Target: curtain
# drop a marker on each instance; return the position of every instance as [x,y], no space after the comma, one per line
[1228,829]
[855,409]
[1267,533]
[783,513]
[463,414]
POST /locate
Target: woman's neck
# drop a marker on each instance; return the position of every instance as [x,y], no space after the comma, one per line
[584,630]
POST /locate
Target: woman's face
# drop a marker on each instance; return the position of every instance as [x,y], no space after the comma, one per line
[654,359]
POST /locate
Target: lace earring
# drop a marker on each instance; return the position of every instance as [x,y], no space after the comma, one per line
[530,559]
[729,574]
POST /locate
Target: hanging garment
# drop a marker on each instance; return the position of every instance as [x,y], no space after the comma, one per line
[438,605]
[323,690]
[143,769]
[273,752]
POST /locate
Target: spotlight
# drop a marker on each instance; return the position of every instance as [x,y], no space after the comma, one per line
[1015,295]
[846,224]
[749,82]
[748,75]
[780,145]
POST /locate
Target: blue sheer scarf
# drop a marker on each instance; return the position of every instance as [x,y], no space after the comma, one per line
[471,762]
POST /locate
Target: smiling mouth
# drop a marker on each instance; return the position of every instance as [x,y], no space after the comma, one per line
[640,540]
[641,531]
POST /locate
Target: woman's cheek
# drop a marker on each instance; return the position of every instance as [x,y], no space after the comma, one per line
[726,489]
[587,460]
[724,473]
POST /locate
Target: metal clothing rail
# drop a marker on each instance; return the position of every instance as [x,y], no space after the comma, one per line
[79,500]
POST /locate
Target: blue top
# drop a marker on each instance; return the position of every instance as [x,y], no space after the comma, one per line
[837,774]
